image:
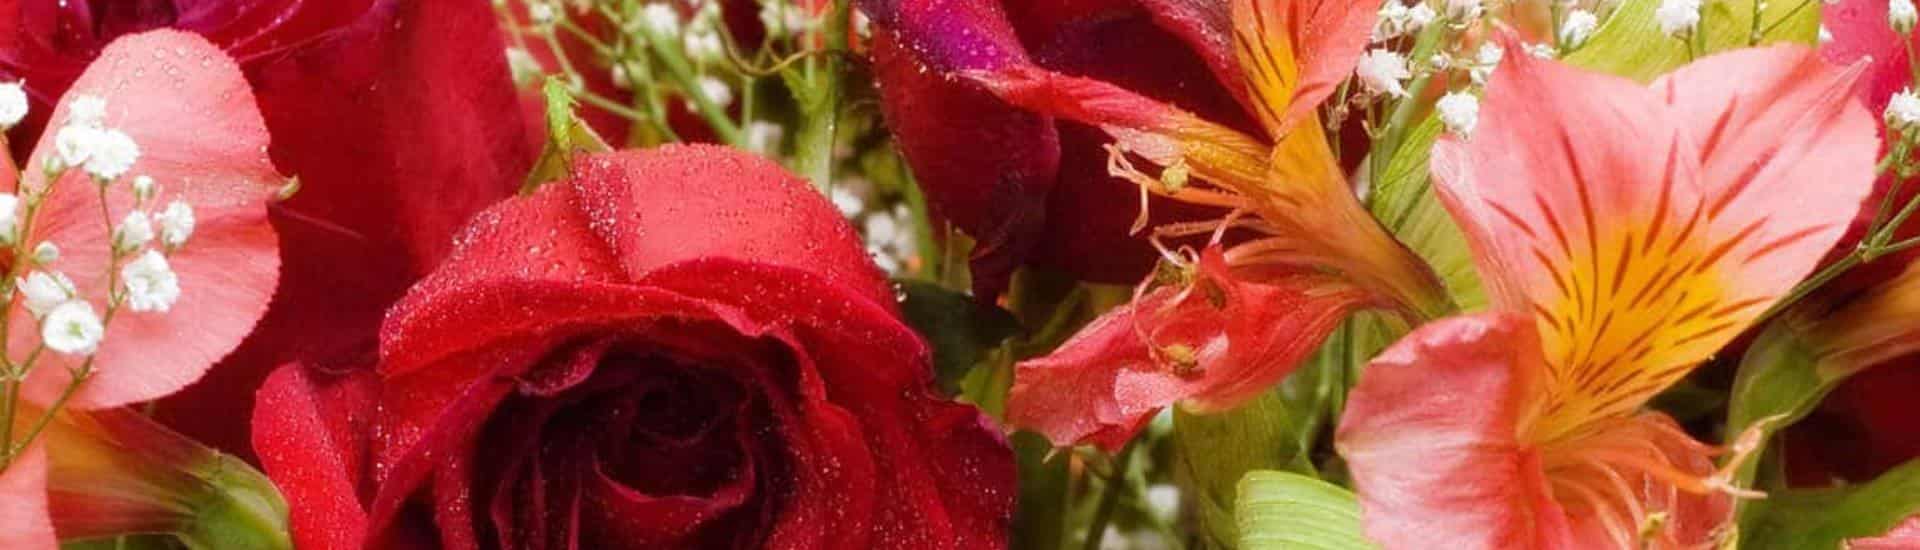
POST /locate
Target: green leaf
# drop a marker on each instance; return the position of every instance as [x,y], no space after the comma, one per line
[1039,521]
[1823,519]
[1277,431]
[1403,200]
[1284,510]
[565,134]
[1631,44]
[959,329]
[1780,380]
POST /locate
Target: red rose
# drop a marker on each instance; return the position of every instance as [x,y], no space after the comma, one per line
[683,347]
[399,117]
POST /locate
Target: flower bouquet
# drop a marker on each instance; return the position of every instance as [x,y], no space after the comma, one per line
[906,274]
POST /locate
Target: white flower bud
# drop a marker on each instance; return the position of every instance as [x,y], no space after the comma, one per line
[73,143]
[715,90]
[1577,28]
[1825,35]
[1464,10]
[660,19]
[1901,15]
[1542,51]
[1382,70]
[150,283]
[1419,16]
[43,291]
[134,231]
[1678,18]
[541,13]
[1903,111]
[764,137]
[87,110]
[1391,22]
[13,104]
[142,187]
[72,328]
[1459,111]
[45,253]
[9,218]
[113,154]
[176,224]
[704,47]
[1485,60]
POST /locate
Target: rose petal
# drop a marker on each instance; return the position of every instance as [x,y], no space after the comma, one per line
[313,444]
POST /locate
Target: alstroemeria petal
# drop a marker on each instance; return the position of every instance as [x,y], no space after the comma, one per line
[1906,535]
[201,139]
[1211,346]
[1162,133]
[1431,436]
[1860,32]
[1579,195]
[24,522]
[1295,52]
[1769,121]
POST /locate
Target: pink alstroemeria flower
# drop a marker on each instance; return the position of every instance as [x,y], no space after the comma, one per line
[1235,319]
[202,141]
[1626,234]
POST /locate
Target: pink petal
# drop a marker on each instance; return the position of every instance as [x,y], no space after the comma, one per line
[24,522]
[201,139]
[1243,333]
[1787,158]
[1904,536]
[1431,435]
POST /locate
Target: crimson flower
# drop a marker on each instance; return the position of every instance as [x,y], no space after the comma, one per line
[680,347]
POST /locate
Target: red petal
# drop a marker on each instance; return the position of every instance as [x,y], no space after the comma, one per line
[313,444]
[1242,335]
[24,523]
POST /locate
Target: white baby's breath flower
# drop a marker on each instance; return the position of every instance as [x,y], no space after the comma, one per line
[1903,111]
[134,231]
[1464,10]
[113,154]
[176,224]
[1382,70]
[1825,35]
[704,47]
[1419,16]
[1901,15]
[9,218]
[541,12]
[1678,18]
[86,110]
[45,253]
[43,291]
[764,137]
[1485,60]
[660,19]
[72,328]
[715,90]
[1459,111]
[13,104]
[1391,22]
[150,283]
[1542,50]
[1577,27]
[143,187]
[73,143]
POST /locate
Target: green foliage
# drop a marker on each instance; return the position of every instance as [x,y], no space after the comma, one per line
[1284,510]
[1824,519]
[960,330]
[1403,200]
[1631,44]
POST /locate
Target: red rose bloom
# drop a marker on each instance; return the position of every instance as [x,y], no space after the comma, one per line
[399,118]
[683,347]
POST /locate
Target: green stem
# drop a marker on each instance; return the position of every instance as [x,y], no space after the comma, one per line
[820,101]
[683,75]
[1403,111]
[1110,498]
